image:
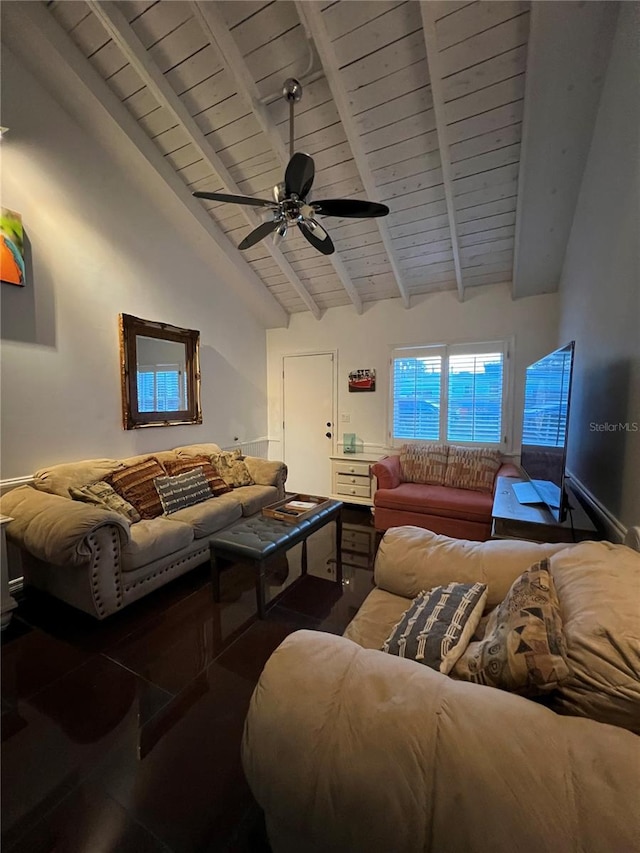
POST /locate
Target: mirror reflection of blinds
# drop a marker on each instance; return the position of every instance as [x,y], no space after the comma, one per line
[474,407]
[546,401]
[162,388]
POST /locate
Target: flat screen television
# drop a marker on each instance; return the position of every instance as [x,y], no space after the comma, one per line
[547,394]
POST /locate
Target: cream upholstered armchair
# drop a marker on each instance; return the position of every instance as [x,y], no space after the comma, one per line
[347,748]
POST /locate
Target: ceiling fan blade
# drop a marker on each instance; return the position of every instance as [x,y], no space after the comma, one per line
[258,234]
[350,208]
[237,199]
[317,236]
[299,175]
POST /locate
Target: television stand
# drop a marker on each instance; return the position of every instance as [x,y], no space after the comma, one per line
[515,520]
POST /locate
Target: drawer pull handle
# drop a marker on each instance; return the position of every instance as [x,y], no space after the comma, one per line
[351,470]
[353,479]
[353,491]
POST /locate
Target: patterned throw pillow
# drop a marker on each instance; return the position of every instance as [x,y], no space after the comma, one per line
[472,468]
[215,481]
[232,469]
[182,491]
[424,463]
[135,484]
[523,649]
[439,624]
[101,494]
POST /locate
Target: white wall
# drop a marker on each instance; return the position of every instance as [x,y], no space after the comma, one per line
[600,289]
[99,246]
[366,340]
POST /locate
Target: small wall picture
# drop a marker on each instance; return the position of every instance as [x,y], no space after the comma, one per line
[362,380]
[11,247]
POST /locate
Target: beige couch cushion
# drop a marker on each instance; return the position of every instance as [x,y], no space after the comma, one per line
[152,539]
[373,623]
[598,586]
[58,479]
[197,450]
[253,498]
[210,516]
[411,559]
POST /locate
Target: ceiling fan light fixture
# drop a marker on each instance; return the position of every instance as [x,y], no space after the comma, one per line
[290,205]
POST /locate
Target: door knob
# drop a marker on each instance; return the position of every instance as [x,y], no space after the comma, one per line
[328,423]
[328,434]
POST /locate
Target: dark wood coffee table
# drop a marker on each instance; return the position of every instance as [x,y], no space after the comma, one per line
[259,539]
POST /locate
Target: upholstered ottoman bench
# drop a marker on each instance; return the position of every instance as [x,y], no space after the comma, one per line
[257,540]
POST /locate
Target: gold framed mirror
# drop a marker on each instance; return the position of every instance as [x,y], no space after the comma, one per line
[160,369]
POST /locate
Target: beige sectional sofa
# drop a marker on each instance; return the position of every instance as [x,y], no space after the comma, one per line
[347,748]
[93,558]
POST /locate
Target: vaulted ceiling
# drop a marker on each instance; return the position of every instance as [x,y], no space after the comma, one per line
[417,105]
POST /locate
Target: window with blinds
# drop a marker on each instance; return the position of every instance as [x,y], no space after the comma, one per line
[449,393]
[162,389]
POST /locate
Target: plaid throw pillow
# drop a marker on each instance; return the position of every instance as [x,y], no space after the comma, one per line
[472,468]
[135,484]
[523,649]
[215,481]
[439,624]
[182,491]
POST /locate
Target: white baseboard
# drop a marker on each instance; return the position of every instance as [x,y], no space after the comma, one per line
[613,527]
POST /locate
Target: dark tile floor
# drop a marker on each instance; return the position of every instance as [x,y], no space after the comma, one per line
[124,735]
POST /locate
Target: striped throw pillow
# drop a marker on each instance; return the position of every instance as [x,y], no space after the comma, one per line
[215,481]
[182,491]
[438,626]
[472,468]
[424,463]
[135,484]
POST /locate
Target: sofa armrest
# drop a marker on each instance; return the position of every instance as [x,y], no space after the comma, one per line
[411,559]
[266,472]
[507,469]
[348,749]
[56,529]
[388,472]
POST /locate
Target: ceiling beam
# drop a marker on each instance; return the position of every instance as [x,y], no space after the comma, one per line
[55,55]
[311,17]
[139,58]
[218,33]
[428,12]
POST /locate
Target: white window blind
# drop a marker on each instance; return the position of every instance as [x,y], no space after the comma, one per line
[417,385]
[449,393]
[474,405]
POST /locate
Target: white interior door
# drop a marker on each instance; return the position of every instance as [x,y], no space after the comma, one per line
[308,415]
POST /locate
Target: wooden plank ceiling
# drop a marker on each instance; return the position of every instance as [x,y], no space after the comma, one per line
[436,136]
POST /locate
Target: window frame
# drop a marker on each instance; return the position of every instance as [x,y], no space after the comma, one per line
[445,350]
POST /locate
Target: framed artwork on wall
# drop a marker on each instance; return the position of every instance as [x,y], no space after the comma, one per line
[362,380]
[11,248]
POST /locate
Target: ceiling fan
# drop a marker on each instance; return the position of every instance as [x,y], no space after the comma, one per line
[291,205]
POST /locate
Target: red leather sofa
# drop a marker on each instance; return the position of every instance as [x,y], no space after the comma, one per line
[461,513]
